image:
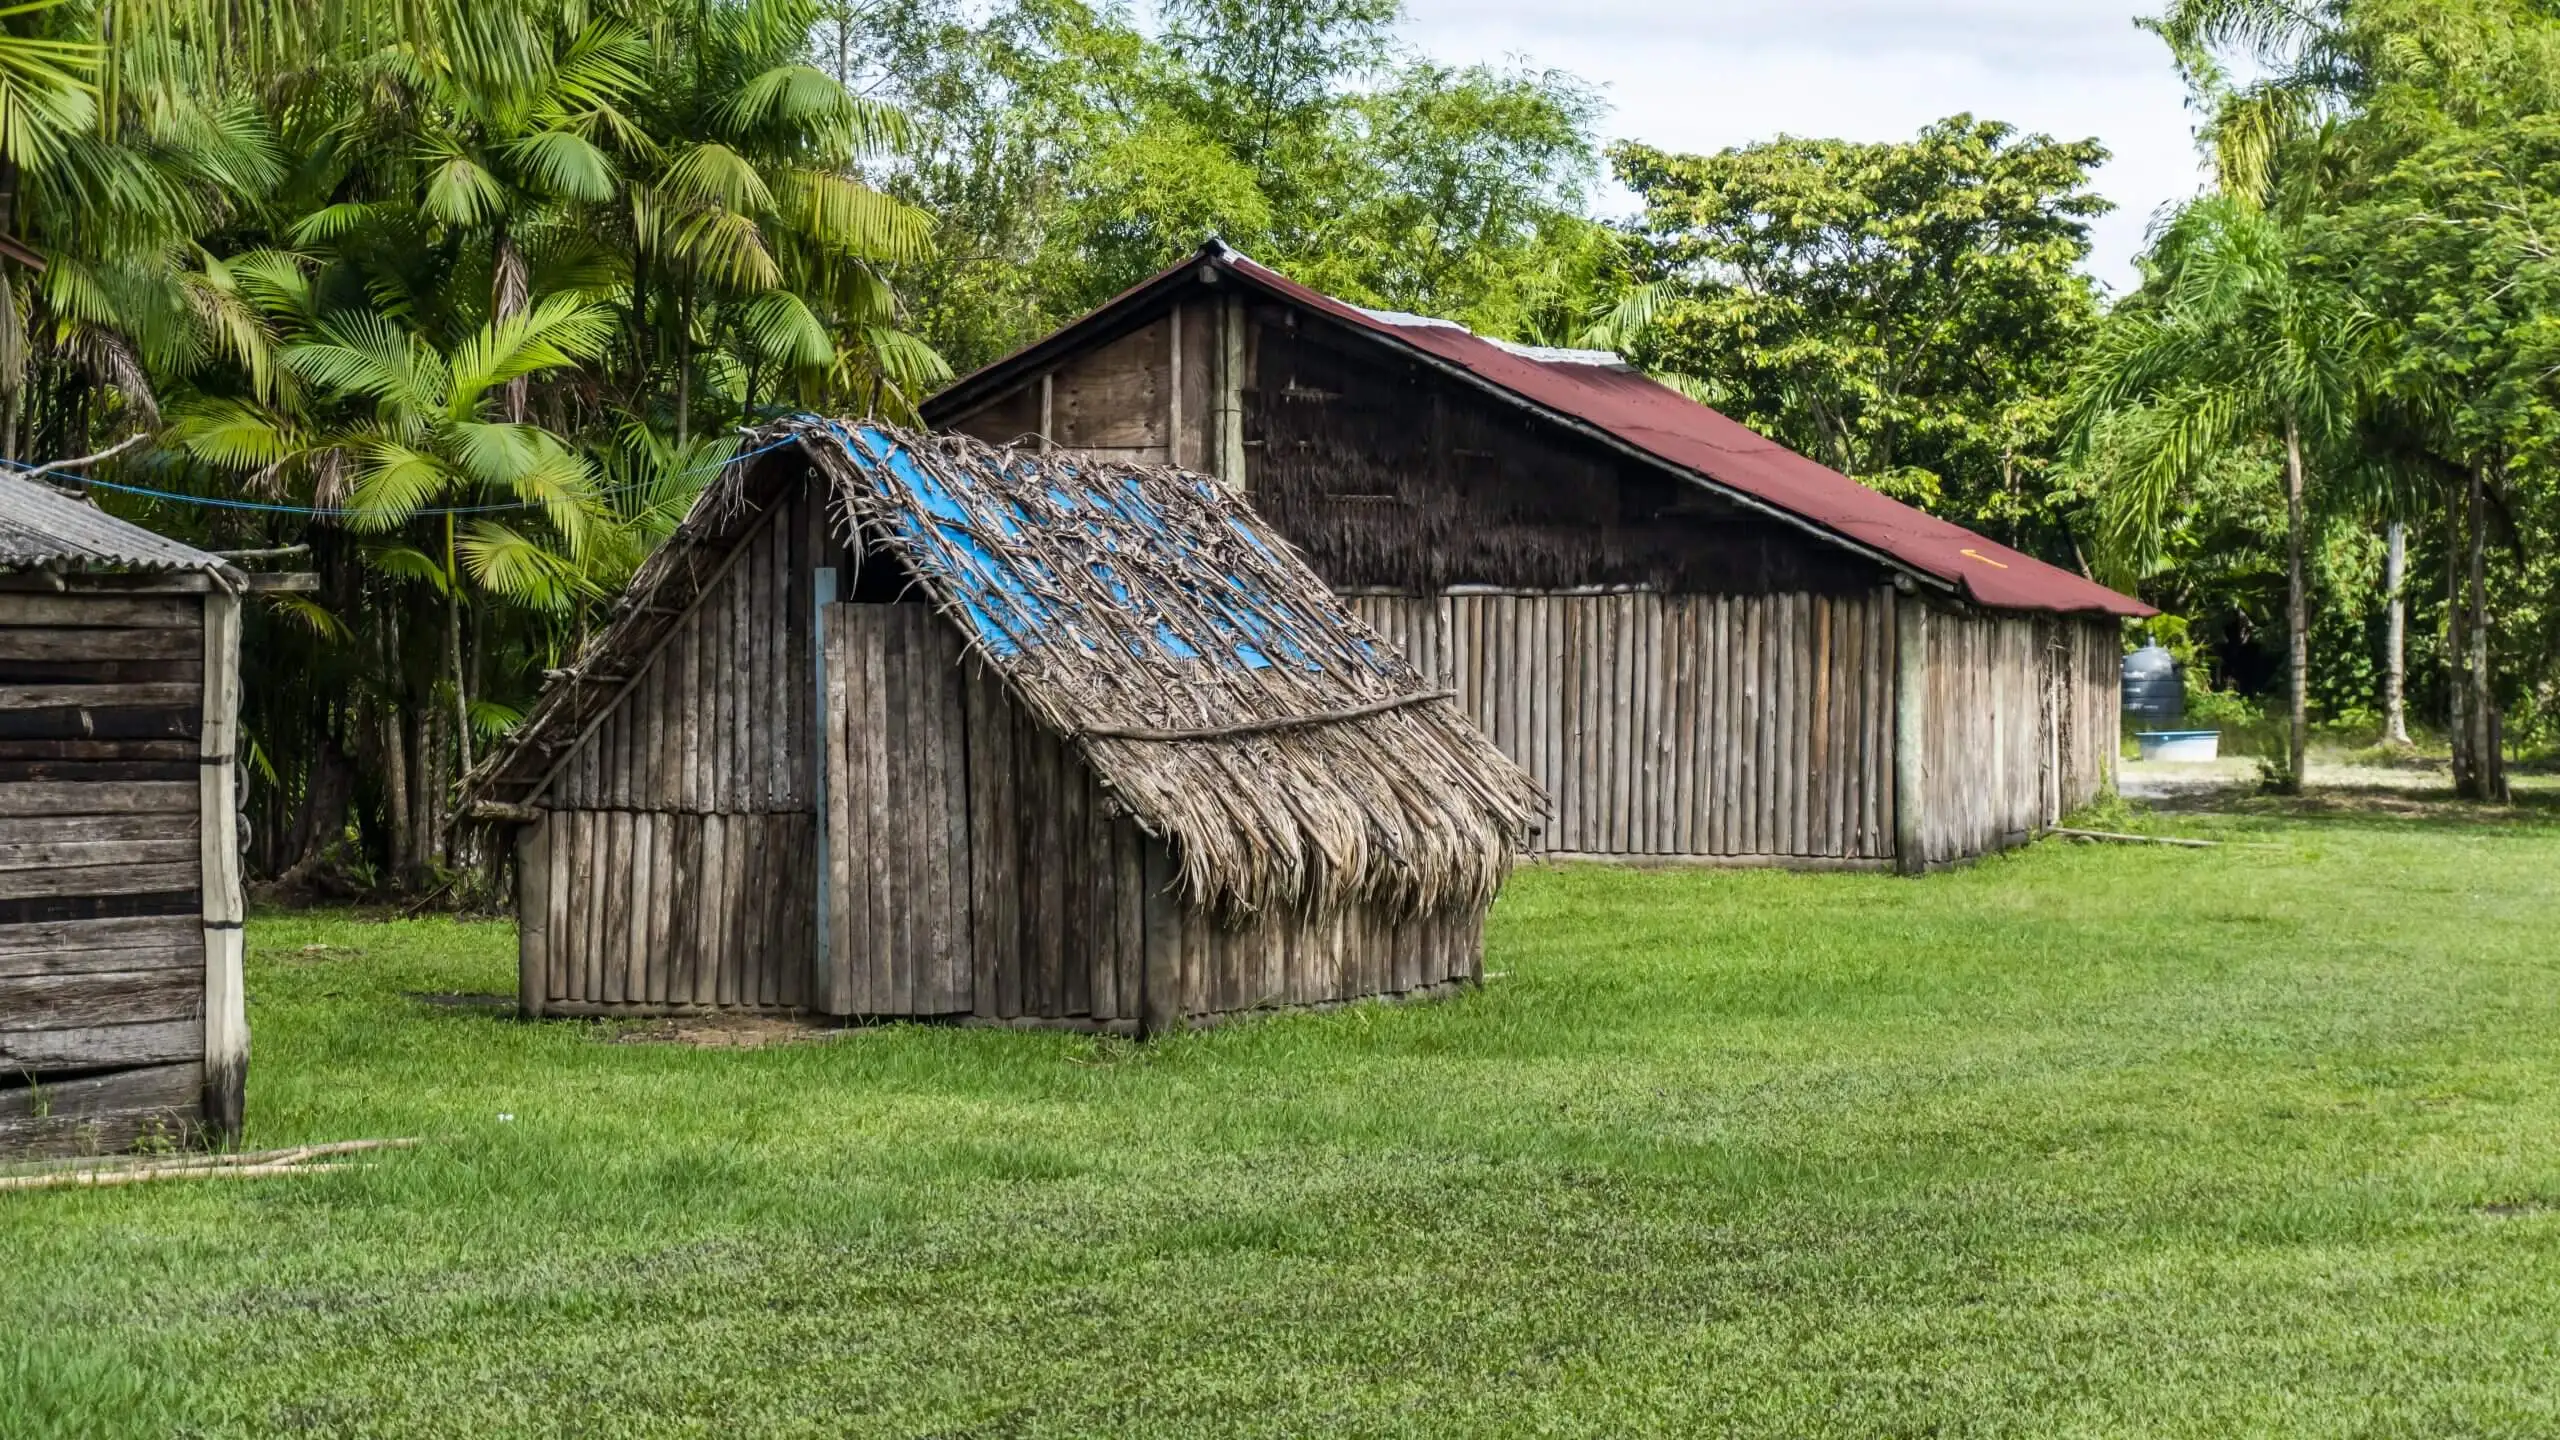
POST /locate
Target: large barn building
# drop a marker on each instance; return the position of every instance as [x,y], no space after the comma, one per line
[898,727]
[1700,643]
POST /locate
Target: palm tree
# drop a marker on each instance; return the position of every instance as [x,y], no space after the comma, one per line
[105,179]
[760,254]
[410,440]
[2240,344]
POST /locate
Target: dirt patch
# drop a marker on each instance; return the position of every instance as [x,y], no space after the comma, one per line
[721,1032]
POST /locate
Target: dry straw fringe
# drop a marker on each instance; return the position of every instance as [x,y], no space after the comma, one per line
[1084,569]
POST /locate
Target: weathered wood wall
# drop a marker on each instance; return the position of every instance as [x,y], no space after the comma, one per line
[2022,726]
[1761,727]
[978,867]
[102,940]
[1734,726]
[1684,675]
[679,845]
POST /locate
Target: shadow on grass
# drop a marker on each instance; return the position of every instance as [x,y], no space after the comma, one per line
[2411,800]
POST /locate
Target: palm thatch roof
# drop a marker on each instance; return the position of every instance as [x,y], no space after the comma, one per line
[1220,692]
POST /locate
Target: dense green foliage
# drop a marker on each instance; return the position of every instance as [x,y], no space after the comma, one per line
[1070,155]
[2388,176]
[1903,312]
[2024,1149]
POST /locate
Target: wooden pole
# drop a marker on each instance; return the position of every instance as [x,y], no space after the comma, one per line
[1910,733]
[1173,388]
[226,1004]
[831,979]
[1160,994]
[1230,408]
[533,918]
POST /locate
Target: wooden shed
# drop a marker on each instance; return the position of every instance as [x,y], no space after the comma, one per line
[1702,644]
[121,1011]
[907,727]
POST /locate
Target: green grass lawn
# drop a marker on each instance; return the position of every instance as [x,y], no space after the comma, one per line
[2081,1141]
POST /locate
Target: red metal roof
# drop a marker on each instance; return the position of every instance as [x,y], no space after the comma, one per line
[1686,435]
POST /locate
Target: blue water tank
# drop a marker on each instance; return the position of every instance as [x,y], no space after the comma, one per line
[2152,690]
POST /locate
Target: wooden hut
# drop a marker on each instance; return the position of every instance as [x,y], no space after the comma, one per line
[896,727]
[1702,644]
[121,1011]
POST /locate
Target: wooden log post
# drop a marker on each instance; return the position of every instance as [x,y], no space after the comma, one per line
[1229,411]
[533,917]
[1160,991]
[226,1001]
[831,971]
[1910,733]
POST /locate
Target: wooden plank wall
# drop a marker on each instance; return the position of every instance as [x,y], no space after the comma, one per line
[102,949]
[1739,727]
[1761,727]
[898,813]
[981,869]
[2023,726]
[682,838]
[1147,397]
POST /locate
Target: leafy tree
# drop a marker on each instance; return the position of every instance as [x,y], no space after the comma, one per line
[2457,247]
[1071,154]
[1454,192]
[2387,132]
[1905,312]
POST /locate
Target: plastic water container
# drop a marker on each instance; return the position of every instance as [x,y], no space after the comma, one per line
[2179,747]
[2153,689]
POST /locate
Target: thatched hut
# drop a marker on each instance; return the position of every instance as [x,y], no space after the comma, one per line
[907,727]
[1702,644]
[121,1011]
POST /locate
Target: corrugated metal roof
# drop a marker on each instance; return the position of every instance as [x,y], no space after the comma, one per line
[1582,389]
[42,528]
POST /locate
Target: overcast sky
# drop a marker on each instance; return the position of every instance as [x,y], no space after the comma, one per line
[1699,75]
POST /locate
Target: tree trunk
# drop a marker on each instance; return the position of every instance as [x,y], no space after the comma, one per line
[507,296]
[684,370]
[2297,622]
[419,722]
[2488,779]
[323,818]
[453,645]
[395,797]
[2395,623]
[2456,691]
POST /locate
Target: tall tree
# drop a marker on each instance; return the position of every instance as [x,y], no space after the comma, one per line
[1905,311]
[2238,343]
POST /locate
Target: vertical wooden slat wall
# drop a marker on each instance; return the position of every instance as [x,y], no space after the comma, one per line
[681,839]
[1761,726]
[1736,726]
[1059,910]
[2022,726]
[978,867]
